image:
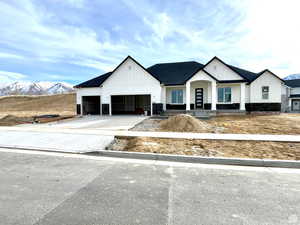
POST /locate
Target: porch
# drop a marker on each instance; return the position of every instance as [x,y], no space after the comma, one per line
[205,96]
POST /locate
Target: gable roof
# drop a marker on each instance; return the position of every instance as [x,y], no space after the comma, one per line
[97,81]
[178,73]
[245,74]
[266,70]
[292,83]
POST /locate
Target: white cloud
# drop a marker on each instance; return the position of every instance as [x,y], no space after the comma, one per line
[10,56]
[271,36]
[6,76]
[52,43]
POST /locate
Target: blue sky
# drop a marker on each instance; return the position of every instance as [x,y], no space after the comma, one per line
[74,40]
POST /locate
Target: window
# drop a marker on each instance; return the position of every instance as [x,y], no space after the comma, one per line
[265,92]
[224,94]
[177,96]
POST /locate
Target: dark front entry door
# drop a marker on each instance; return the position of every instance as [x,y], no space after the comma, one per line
[199,98]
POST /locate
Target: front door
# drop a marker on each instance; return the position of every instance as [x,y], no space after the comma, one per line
[199,98]
[296,105]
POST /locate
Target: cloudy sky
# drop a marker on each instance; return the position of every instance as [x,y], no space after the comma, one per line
[74,40]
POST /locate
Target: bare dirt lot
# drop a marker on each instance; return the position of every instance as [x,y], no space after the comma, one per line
[268,124]
[22,109]
[245,124]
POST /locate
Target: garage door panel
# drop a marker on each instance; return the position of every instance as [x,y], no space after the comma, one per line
[130,104]
[91,105]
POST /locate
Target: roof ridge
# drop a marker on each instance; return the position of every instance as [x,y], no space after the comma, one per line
[176,62]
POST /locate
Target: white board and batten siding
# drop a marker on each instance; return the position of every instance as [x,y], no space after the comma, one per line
[131,79]
[221,71]
[87,92]
[275,89]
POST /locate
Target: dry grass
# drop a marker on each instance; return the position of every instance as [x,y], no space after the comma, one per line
[239,149]
[27,106]
[266,124]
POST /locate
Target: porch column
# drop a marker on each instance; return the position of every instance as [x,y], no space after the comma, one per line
[188,96]
[243,96]
[164,97]
[213,95]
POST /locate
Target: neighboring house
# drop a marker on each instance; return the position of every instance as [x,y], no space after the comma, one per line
[293,95]
[216,86]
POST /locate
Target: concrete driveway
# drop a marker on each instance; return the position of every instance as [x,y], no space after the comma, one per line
[95,122]
[51,136]
[51,189]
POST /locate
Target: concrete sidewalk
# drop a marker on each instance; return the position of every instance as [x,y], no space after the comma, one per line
[62,142]
[177,135]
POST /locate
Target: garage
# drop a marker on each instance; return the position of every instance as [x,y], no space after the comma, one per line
[130,104]
[296,105]
[91,105]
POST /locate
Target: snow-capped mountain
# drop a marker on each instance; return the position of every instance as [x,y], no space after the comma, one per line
[35,88]
[292,77]
[60,88]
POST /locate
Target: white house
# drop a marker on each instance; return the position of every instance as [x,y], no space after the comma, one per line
[293,95]
[190,86]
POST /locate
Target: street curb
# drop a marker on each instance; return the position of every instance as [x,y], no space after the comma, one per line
[200,159]
[175,158]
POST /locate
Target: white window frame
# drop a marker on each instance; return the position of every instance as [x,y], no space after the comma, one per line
[177,97]
[224,94]
[265,94]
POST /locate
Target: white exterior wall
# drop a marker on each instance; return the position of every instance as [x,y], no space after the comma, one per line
[221,71]
[87,92]
[247,94]
[295,91]
[131,79]
[275,89]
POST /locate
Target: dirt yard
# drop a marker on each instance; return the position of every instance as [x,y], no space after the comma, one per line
[22,109]
[246,124]
[271,124]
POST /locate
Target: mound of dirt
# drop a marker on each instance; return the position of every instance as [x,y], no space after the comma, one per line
[184,123]
[11,120]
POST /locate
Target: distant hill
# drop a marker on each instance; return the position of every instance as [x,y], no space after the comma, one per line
[28,105]
[292,77]
[35,88]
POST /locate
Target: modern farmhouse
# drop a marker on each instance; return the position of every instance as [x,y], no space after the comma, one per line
[186,86]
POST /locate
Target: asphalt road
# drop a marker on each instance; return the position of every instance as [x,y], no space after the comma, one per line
[60,189]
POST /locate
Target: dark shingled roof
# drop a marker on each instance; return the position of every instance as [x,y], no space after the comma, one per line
[174,73]
[292,83]
[247,75]
[95,82]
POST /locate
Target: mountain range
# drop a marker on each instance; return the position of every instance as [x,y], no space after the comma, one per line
[35,88]
[292,77]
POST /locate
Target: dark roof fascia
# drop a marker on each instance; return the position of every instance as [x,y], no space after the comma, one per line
[128,57]
[295,96]
[215,57]
[78,86]
[231,81]
[201,69]
[174,84]
[266,70]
